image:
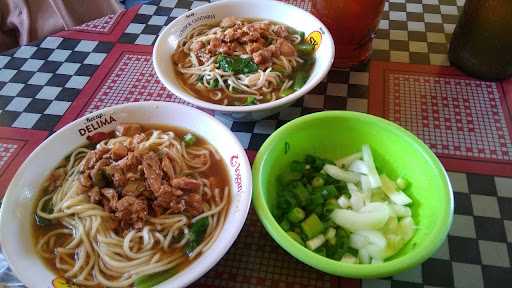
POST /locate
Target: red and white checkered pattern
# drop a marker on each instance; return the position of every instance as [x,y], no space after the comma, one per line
[100,25]
[304,4]
[455,117]
[131,80]
[6,151]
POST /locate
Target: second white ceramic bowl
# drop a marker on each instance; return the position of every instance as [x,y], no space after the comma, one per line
[18,204]
[262,9]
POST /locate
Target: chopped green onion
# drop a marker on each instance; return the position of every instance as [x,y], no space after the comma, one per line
[330,205]
[317,182]
[295,237]
[321,251]
[189,139]
[331,233]
[315,242]
[297,166]
[296,215]
[285,224]
[312,226]
[329,191]
[300,192]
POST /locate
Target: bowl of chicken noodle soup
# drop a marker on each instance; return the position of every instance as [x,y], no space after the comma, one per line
[134,195]
[243,59]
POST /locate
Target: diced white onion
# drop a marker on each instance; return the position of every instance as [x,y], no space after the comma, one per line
[349,258]
[346,161]
[365,185]
[352,189]
[401,211]
[356,198]
[407,228]
[356,201]
[343,201]
[374,237]
[339,174]
[372,171]
[358,241]
[359,167]
[364,257]
[389,187]
[372,216]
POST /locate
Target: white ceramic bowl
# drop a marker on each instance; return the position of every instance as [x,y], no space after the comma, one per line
[263,9]
[18,205]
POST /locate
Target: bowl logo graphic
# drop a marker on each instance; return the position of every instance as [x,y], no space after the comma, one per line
[314,38]
[60,282]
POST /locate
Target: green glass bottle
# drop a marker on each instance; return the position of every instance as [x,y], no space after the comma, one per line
[481,45]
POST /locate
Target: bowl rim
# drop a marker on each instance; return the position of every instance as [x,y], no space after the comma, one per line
[361,271]
[258,107]
[209,263]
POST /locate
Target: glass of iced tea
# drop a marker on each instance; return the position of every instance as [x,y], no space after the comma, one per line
[352,24]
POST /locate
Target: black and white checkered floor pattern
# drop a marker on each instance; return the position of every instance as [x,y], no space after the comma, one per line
[40,81]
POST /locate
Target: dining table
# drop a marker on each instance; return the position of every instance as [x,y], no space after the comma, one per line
[408,79]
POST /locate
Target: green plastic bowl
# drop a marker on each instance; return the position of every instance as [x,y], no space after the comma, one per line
[396,151]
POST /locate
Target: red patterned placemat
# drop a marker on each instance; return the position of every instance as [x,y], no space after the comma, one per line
[101,25]
[108,28]
[15,145]
[465,121]
[304,4]
[126,75]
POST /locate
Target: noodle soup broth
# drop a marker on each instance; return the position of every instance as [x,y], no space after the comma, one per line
[243,61]
[163,207]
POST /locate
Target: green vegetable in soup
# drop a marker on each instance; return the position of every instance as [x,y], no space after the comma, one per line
[214,84]
[302,35]
[48,209]
[189,139]
[251,100]
[279,69]
[151,280]
[300,79]
[305,49]
[236,64]
[196,234]
[287,92]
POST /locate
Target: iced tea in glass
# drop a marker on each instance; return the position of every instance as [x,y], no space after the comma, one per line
[352,24]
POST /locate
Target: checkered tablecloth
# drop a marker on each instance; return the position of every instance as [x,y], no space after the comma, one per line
[47,84]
